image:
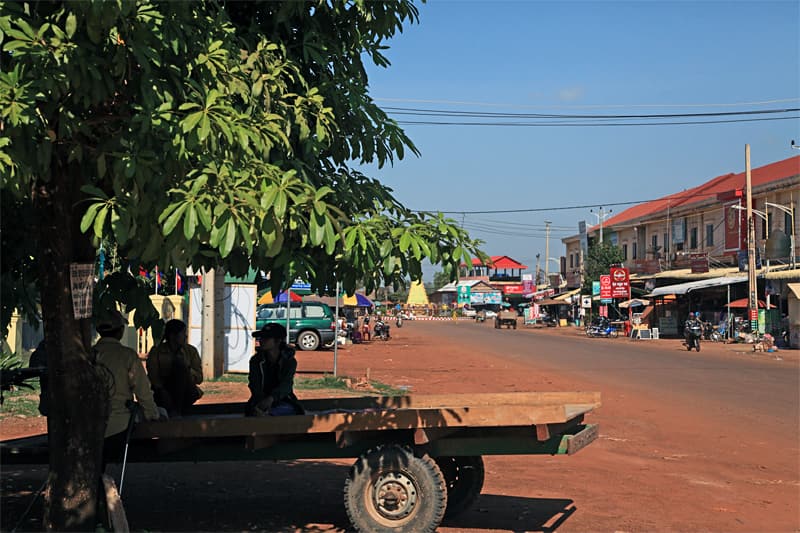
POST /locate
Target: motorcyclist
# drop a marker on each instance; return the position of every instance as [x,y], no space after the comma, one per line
[381,328]
[691,328]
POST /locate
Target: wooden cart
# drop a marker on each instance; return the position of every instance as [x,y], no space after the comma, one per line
[418,458]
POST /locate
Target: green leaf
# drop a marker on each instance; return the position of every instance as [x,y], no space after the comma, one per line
[405,241]
[100,220]
[71,24]
[89,216]
[190,223]
[174,218]
[191,121]
[229,239]
[101,166]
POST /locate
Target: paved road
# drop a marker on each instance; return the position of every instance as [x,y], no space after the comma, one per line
[762,393]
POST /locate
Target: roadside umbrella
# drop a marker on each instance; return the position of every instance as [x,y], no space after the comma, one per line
[742,303]
[267,298]
[357,300]
[635,302]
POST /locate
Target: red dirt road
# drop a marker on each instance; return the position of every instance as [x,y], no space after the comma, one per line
[663,462]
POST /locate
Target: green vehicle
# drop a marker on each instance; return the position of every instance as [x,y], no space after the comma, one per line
[311,324]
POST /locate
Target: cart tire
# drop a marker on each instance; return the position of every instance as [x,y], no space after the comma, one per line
[389,489]
[514,325]
[464,477]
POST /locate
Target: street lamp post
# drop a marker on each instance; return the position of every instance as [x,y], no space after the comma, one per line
[601,217]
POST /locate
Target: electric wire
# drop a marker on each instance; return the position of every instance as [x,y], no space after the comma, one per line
[586,106]
[587,124]
[484,114]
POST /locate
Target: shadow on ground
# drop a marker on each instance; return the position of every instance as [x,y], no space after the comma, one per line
[256,496]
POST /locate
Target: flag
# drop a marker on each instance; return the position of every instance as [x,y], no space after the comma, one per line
[158,279]
[143,273]
[178,281]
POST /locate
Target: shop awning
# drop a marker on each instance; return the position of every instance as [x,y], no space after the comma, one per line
[564,295]
[684,288]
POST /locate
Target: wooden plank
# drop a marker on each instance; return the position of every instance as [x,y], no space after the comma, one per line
[365,420]
[427,401]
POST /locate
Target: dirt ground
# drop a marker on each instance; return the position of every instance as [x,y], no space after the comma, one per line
[648,471]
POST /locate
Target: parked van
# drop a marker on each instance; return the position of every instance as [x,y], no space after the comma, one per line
[311,324]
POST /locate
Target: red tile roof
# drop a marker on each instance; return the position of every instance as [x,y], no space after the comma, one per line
[499,261]
[709,190]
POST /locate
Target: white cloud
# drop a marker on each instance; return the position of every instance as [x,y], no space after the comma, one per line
[570,94]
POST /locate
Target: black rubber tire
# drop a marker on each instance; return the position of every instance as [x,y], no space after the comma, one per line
[395,467]
[464,477]
[496,324]
[613,334]
[697,346]
[308,341]
[689,346]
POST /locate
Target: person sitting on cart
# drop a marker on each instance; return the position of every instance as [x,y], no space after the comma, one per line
[175,370]
[271,377]
[125,378]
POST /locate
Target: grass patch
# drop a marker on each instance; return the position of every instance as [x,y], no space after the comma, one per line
[21,402]
[327,381]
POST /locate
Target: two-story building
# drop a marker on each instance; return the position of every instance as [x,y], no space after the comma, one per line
[705,222]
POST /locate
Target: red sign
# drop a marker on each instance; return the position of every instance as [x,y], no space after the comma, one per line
[698,262]
[753,314]
[620,283]
[605,287]
[513,289]
[735,227]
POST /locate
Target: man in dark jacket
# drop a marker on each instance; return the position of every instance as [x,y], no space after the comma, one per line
[271,378]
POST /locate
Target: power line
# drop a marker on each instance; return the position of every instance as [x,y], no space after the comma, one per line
[585,106]
[589,124]
[484,114]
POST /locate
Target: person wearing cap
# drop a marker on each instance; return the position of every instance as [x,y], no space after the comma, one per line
[126,381]
[175,370]
[271,377]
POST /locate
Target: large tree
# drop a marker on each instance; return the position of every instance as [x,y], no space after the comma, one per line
[205,134]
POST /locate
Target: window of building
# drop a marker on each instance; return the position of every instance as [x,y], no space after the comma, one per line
[570,260]
[654,242]
[634,250]
[709,234]
[624,252]
[787,224]
[666,243]
[693,238]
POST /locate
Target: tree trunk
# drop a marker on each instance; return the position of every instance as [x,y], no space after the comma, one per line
[78,400]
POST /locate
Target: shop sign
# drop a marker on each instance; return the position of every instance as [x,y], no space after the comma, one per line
[595,288]
[513,289]
[464,294]
[586,302]
[494,297]
[735,225]
[698,263]
[620,283]
[527,284]
[605,286]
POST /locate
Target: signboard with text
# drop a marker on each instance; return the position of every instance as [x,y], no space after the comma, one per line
[620,283]
[605,286]
[513,289]
[735,227]
[464,292]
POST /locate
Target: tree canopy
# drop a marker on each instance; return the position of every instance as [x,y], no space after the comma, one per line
[215,134]
[209,133]
[598,262]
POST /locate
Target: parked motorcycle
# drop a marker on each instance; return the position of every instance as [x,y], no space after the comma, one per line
[693,333]
[381,330]
[601,328]
[710,333]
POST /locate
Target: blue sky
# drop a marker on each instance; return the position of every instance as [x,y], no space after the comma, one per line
[583,58]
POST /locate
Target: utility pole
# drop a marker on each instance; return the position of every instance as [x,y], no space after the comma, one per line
[751,245]
[547,251]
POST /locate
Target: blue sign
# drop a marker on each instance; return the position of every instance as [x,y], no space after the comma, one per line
[299,285]
[595,288]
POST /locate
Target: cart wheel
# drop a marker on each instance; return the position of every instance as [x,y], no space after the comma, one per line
[389,489]
[514,325]
[464,478]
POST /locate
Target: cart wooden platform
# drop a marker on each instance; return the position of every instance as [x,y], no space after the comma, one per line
[418,457]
